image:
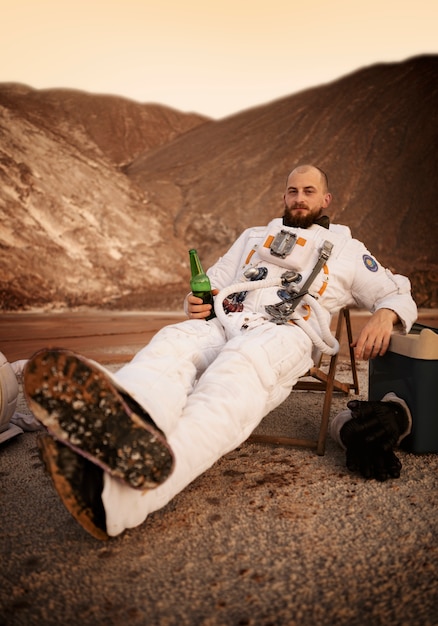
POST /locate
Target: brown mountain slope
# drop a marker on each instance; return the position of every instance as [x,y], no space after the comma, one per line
[78,228]
[74,230]
[120,128]
[376,134]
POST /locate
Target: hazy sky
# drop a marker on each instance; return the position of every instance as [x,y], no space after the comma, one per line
[212,57]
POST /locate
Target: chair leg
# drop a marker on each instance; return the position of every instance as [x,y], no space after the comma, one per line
[355,384]
[328,395]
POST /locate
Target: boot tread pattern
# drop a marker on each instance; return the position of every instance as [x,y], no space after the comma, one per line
[81,407]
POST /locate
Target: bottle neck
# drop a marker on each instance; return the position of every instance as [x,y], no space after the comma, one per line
[195,263]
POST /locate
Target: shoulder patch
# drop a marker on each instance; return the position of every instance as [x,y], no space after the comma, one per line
[370,263]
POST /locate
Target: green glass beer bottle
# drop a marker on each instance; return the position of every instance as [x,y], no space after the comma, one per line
[200,283]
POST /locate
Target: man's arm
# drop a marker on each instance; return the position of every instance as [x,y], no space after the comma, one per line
[373,340]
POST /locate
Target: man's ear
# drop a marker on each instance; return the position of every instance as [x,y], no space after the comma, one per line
[327,200]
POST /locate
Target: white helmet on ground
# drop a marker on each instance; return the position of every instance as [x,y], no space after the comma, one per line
[8,400]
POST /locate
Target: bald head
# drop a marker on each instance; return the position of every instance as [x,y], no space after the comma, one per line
[315,171]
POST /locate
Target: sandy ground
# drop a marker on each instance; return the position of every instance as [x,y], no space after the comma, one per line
[269,535]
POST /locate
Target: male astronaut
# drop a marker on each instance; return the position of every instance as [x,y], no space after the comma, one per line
[137,438]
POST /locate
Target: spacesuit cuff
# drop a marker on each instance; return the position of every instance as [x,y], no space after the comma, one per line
[186,304]
[336,424]
[391,397]
[403,323]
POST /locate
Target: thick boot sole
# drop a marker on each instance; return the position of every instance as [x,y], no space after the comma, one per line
[63,464]
[79,405]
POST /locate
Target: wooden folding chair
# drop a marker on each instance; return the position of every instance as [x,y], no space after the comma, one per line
[327,383]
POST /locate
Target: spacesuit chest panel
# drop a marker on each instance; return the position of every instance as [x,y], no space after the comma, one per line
[290,248]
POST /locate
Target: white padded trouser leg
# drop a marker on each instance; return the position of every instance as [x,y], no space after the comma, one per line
[252,374]
[162,375]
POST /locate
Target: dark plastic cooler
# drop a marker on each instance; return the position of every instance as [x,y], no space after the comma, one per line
[410,369]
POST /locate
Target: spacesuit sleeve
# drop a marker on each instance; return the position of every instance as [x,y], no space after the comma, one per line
[375,287]
[224,271]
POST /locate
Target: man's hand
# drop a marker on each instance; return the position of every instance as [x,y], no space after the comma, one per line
[374,337]
[196,309]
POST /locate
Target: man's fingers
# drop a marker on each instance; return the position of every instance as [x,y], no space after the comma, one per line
[370,347]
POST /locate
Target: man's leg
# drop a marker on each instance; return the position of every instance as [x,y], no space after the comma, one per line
[162,375]
[253,374]
[101,426]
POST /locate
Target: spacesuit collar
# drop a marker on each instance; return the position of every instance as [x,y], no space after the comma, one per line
[323,221]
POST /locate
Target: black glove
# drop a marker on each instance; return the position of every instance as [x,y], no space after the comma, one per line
[370,437]
[373,462]
[379,423]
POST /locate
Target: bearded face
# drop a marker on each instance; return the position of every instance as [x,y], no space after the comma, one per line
[298,215]
[305,198]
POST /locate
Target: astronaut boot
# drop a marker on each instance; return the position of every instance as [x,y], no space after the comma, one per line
[79,404]
[79,484]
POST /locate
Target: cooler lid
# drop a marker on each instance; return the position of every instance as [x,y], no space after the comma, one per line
[416,346]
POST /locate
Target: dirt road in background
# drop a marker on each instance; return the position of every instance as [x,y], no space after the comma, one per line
[108,336]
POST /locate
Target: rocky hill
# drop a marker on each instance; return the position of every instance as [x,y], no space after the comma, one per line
[74,229]
[102,197]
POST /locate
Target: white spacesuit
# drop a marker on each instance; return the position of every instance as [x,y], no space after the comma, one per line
[207,385]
